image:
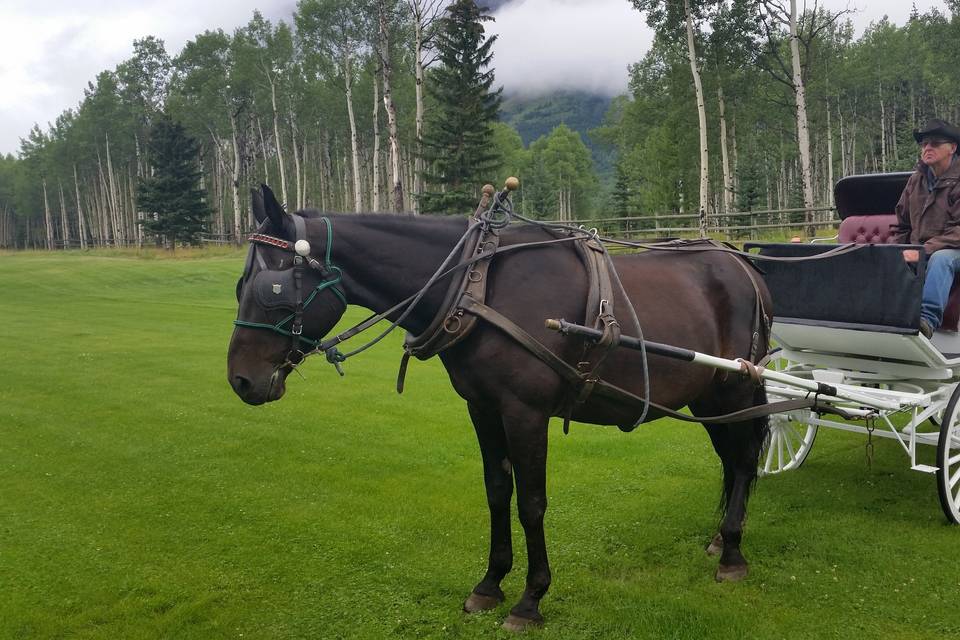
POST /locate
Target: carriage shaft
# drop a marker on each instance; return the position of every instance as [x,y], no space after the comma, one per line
[736,366]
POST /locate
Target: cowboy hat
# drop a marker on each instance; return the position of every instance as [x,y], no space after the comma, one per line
[937,128]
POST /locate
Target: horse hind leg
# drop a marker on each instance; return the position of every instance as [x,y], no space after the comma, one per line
[498,480]
[719,439]
[526,431]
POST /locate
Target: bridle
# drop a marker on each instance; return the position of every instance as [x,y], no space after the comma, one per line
[330,278]
[497,216]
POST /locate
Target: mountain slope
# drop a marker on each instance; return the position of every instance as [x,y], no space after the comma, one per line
[581,111]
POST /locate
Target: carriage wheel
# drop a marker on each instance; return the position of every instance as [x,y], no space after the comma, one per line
[791,436]
[790,441]
[948,459]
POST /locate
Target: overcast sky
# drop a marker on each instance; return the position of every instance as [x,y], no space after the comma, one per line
[51,49]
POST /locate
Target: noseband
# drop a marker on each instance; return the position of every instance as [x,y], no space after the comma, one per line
[330,278]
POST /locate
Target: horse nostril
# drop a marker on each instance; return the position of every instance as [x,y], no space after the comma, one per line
[241,385]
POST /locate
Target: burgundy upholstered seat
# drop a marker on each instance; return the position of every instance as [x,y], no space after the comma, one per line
[867,229]
[875,229]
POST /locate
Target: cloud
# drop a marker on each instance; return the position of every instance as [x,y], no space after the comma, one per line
[546,45]
[51,49]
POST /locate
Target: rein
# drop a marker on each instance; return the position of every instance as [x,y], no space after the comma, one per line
[497,216]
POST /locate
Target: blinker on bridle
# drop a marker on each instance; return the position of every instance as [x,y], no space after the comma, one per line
[331,276]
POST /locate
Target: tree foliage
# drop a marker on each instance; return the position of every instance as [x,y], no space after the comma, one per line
[457,145]
[864,97]
[171,196]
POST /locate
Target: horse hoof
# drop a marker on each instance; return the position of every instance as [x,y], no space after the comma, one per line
[715,547]
[734,573]
[477,602]
[516,624]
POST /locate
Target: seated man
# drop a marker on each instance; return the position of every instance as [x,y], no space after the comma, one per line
[928,213]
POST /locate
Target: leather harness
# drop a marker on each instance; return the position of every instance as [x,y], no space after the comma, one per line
[465,303]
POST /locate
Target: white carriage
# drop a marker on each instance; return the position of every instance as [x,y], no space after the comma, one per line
[851,322]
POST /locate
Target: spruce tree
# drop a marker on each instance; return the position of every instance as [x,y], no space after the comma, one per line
[622,196]
[171,197]
[458,149]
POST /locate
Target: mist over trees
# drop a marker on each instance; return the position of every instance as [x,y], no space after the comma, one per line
[331,110]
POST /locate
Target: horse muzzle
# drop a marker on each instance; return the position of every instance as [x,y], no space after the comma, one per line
[257,393]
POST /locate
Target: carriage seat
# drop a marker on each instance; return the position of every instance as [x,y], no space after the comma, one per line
[875,229]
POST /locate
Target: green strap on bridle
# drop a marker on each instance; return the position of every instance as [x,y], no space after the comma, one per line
[326,284]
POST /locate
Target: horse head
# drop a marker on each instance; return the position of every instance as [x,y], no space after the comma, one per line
[289,297]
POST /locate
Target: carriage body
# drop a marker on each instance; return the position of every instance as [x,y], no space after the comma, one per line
[852,320]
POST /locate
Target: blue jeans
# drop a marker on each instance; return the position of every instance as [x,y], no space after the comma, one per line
[941,267]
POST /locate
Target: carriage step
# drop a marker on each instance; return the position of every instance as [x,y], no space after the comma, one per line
[925,468]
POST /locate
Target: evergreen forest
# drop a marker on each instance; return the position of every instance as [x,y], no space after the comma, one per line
[739,105]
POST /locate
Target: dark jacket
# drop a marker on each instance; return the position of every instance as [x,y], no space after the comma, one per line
[930,217]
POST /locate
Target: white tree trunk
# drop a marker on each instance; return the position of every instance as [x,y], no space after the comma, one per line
[263,151]
[724,154]
[376,144]
[803,132]
[829,156]
[276,141]
[425,13]
[418,167]
[80,226]
[64,223]
[235,180]
[396,190]
[100,198]
[115,221]
[883,131]
[735,169]
[296,162]
[354,142]
[48,223]
[702,114]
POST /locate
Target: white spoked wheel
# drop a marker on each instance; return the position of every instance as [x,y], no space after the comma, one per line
[948,459]
[791,438]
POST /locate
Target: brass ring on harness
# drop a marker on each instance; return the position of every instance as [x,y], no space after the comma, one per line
[452,324]
[474,276]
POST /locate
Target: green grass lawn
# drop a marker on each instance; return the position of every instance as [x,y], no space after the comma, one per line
[140,498]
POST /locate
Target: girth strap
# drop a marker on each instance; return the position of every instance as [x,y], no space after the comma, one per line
[600,315]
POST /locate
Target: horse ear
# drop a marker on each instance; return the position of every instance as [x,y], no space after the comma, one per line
[259,211]
[273,208]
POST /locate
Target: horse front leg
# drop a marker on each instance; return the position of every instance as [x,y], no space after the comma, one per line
[526,431]
[497,477]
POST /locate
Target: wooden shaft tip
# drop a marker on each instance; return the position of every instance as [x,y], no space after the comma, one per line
[512,184]
[489,190]
[553,324]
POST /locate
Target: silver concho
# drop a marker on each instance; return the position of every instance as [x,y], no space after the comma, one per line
[277,288]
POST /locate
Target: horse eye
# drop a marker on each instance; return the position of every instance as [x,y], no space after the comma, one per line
[239,288]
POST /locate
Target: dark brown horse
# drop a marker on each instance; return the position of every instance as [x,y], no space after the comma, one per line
[703,301]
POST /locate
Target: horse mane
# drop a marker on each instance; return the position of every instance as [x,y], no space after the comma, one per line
[389,220]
